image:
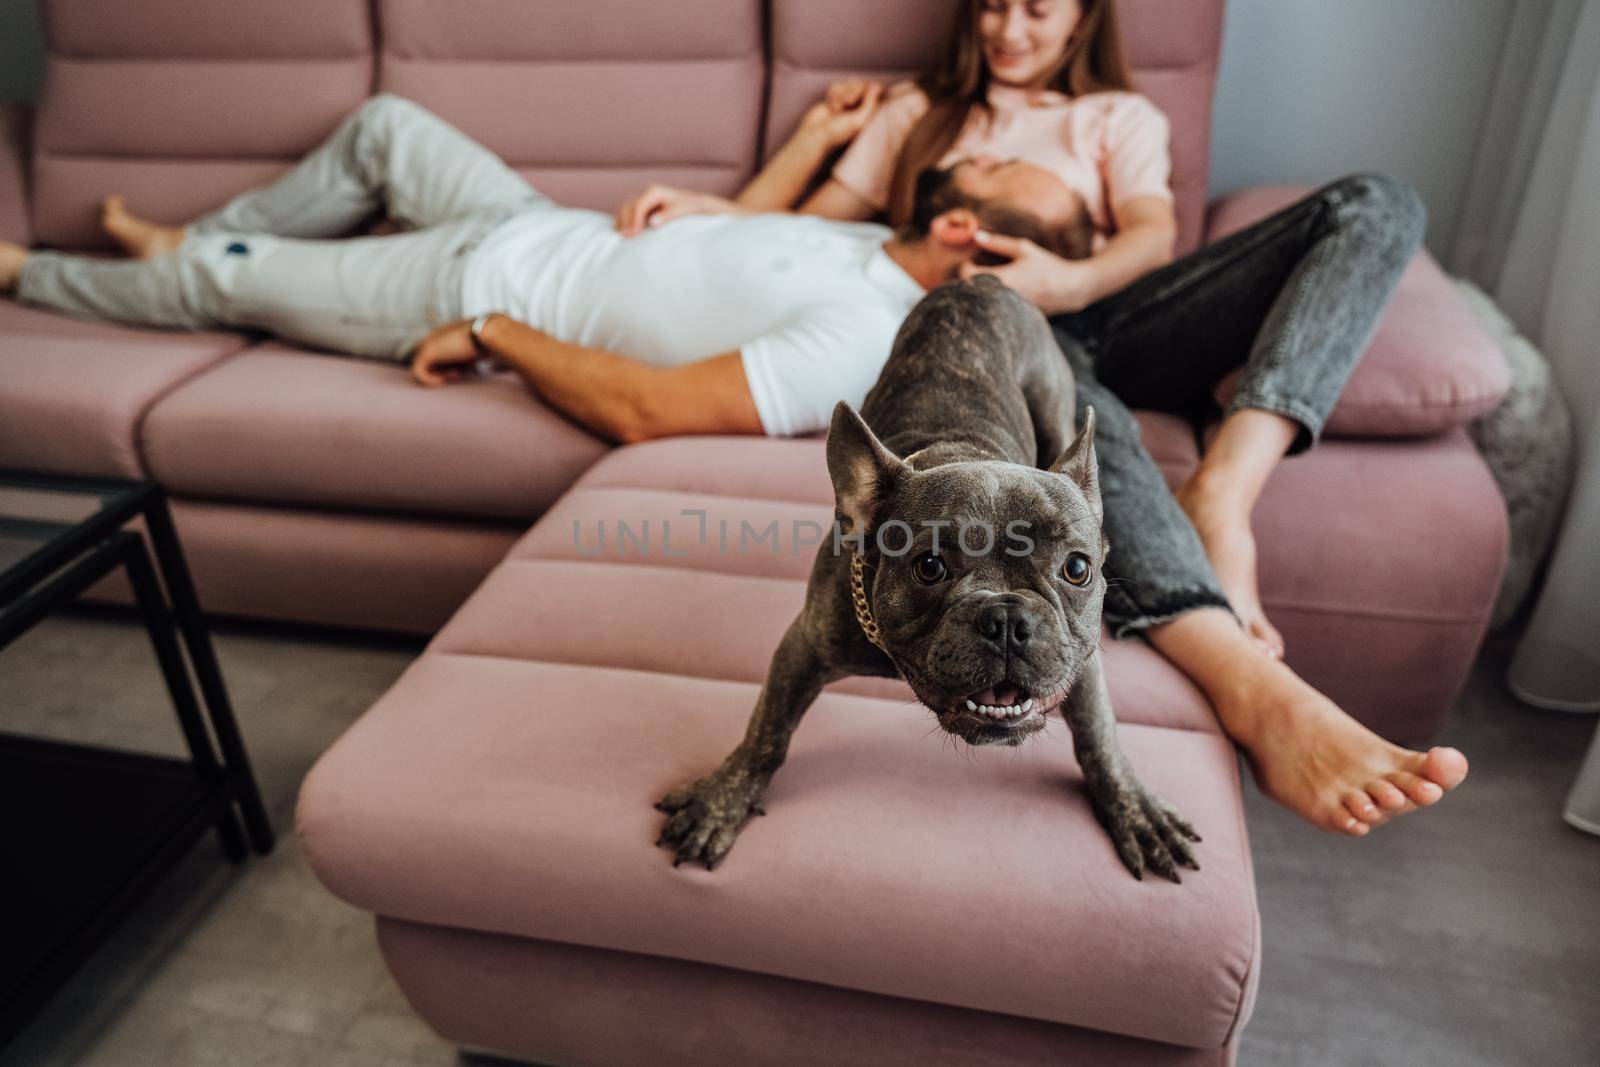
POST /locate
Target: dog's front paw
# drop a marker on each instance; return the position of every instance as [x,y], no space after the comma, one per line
[1148,833]
[706,816]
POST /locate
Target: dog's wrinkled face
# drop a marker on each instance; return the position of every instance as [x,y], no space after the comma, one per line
[988,584]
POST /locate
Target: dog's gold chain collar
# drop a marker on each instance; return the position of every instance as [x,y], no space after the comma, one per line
[858,598]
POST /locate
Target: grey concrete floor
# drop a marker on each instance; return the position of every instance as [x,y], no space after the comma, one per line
[1469,934]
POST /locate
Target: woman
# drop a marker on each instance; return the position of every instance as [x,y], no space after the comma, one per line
[1289,303]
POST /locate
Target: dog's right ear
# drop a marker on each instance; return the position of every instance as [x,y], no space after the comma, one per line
[1078,462]
[863,471]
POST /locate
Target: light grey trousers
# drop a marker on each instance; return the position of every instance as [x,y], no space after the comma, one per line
[266,260]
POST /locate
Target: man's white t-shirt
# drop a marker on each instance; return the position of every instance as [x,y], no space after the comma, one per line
[812,305]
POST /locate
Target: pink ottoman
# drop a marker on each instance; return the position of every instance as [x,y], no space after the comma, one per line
[902,902]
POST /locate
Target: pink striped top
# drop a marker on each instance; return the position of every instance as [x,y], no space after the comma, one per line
[1107,147]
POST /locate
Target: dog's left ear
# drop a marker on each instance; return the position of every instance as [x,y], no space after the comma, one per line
[1078,463]
[863,471]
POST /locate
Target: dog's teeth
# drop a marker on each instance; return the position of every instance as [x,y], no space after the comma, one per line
[1027,705]
[971,706]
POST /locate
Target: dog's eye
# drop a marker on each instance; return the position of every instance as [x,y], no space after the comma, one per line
[1077,570]
[928,569]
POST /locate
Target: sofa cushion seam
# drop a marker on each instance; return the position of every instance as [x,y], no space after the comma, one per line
[697,492]
[143,414]
[662,568]
[461,654]
[1255,923]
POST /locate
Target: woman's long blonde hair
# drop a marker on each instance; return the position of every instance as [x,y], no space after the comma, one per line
[1092,63]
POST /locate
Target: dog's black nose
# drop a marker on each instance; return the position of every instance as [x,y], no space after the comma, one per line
[1006,627]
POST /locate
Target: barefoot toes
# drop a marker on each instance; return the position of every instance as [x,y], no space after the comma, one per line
[1387,796]
[1446,767]
[1361,806]
[1419,791]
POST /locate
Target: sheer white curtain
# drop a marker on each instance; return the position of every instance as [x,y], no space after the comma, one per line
[1530,236]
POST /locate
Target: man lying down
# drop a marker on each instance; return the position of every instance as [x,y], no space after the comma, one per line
[721,323]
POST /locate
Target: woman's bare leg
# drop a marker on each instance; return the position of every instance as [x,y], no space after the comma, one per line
[1305,752]
[1219,498]
[140,238]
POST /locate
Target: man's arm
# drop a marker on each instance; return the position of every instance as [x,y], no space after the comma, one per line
[827,125]
[614,396]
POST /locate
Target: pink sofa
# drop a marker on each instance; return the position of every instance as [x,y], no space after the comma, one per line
[493,810]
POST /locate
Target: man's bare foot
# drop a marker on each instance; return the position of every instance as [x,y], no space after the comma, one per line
[139,238]
[1314,759]
[1224,528]
[12,259]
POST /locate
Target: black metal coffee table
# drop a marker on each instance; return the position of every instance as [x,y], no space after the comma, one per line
[86,832]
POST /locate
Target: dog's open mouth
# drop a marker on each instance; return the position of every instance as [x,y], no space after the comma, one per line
[1004,705]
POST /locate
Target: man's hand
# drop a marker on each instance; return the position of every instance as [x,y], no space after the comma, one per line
[1050,283]
[660,204]
[843,111]
[446,355]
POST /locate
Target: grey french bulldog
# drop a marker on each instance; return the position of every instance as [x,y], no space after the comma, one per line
[973,414]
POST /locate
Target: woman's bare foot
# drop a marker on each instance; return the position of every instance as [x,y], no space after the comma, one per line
[139,238]
[1223,523]
[12,259]
[1314,759]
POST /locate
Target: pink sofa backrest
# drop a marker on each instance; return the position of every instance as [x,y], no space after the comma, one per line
[182,103]
[590,99]
[1172,45]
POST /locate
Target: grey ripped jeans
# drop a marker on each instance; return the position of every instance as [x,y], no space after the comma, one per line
[1291,302]
[264,261]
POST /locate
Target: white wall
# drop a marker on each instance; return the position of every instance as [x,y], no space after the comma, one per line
[1311,90]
